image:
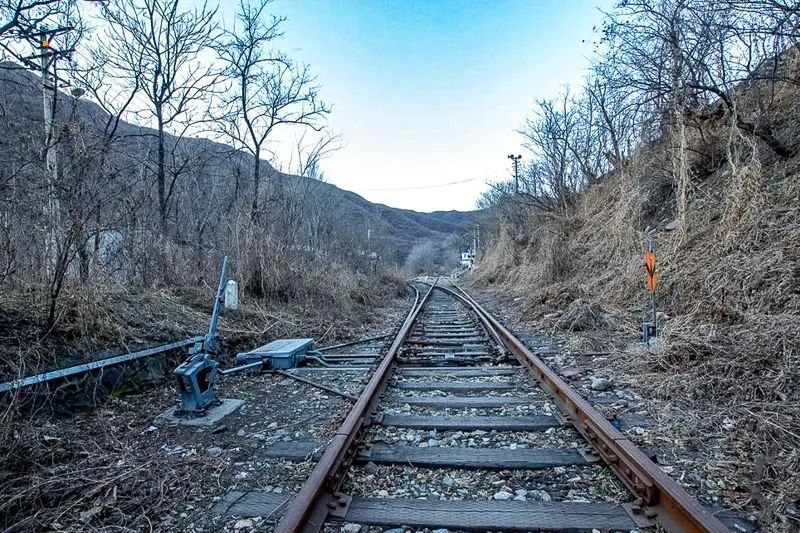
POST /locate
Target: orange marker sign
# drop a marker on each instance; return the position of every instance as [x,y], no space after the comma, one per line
[650,266]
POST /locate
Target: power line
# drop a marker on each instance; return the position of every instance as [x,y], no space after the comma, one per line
[421,187]
[516,159]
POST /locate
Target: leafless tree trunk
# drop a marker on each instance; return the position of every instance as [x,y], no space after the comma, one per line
[155,45]
[268,89]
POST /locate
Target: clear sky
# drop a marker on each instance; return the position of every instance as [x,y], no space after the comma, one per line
[429,92]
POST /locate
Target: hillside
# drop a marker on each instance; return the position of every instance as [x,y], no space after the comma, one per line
[723,375]
[394,232]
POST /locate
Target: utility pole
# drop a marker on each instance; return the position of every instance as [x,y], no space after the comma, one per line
[516,159]
[48,56]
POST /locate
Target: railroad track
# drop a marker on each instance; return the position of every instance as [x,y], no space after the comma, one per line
[456,392]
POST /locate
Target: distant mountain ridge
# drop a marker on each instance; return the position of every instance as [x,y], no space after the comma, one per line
[398,230]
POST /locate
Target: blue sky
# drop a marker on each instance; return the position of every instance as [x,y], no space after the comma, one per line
[429,92]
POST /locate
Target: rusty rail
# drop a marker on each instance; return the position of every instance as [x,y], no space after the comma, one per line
[660,497]
[317,499]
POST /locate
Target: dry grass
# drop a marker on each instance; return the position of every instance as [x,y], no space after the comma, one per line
[729,281]
[57,479]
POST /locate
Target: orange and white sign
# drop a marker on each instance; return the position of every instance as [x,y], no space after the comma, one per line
[650,266]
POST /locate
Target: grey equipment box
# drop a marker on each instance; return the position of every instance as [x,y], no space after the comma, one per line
[279,354]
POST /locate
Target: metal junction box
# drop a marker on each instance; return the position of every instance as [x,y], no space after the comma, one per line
[279,354]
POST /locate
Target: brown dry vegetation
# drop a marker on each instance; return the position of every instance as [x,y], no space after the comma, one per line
[66,468]
[729,285]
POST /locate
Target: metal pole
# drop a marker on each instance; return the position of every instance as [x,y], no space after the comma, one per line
[51,161]
[516,159]
[210,341]
[317,385]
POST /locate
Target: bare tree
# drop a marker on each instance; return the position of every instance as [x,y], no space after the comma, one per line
[615,115]
[156,46]
[567,151]
[679,55]
[268,89]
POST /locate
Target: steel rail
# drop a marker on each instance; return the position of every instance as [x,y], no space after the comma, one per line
[317,498]
[61,373]
[490,331]
[352,343]
[660,497]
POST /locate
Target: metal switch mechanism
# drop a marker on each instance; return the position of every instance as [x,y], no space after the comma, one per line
[198,374]
[282,354]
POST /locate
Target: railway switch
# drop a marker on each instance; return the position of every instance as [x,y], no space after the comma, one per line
[281,354]
[198,374]
[196,378]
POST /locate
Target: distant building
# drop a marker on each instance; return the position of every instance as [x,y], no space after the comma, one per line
[467,259]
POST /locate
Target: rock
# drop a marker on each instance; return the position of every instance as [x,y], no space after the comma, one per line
[672,226]
[502,495]
[219,429]
[214,451]
[351,528]
[571,374]
[244,523]
[240,433]
[273,425]
[241,476]
[520,498]
[394,530]
[539,495]
[371,467]
[441,531]
[600,384]
[520,492]
[447,481]
[173,450]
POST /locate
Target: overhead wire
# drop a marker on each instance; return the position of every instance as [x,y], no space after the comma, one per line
[420,187]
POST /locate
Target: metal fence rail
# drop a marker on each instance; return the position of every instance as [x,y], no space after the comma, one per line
[61,373]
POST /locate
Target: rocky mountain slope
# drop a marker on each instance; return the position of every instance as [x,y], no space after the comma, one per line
[394,232]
